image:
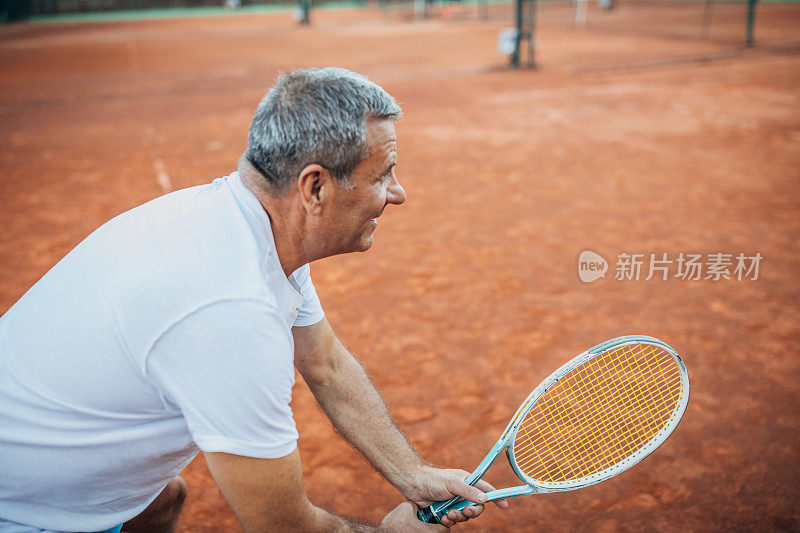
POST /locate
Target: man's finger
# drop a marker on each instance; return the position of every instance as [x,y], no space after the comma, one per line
[464,514]
[468,492]
[486,487]
[472,511]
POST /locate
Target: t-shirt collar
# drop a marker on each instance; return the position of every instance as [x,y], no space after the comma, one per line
[255,208]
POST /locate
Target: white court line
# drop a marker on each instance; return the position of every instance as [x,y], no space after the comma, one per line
[162,176]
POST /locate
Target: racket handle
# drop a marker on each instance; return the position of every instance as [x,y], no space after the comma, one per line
[428,515]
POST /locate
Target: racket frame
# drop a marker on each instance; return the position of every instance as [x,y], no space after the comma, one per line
[507,438]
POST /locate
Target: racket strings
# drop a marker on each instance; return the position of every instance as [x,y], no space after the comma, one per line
[601,417]
[590,447]
[599,413]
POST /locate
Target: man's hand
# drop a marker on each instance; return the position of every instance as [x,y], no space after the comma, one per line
[404,518]
[436,484]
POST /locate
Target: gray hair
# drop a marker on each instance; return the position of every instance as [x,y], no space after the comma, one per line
[315,116]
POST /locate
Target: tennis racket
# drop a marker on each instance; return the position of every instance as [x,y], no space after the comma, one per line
[596,416]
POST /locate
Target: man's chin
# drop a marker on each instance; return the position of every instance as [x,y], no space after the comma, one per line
[360,246]
[363,244]
[366,244]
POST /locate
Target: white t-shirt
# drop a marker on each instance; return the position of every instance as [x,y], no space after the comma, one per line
[167,330]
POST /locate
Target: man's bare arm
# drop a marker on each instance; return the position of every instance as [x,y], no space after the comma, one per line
[345,393]
[357,410]
[268,495]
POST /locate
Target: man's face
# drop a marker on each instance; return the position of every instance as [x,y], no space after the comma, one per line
[372,186]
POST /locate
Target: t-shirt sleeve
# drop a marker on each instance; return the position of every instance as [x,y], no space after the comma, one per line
[229,368]
[311,311]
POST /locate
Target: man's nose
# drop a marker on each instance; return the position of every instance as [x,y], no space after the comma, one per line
[395,194]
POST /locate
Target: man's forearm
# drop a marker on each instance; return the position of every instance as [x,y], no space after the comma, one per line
[331,522]
[268,495]
[321,521]
[359,413]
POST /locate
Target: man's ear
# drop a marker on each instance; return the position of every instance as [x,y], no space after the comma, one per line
[315,184]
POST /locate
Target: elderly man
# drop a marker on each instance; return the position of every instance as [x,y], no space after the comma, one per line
[176,327]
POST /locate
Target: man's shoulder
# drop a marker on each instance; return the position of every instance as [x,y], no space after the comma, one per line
[205,231]
[179,252]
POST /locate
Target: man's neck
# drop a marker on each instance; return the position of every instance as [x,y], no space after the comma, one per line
[285,221]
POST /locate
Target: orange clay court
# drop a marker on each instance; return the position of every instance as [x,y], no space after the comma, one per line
[636,135]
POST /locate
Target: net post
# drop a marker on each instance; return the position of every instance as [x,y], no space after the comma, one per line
[304,12]
[531,33]
[420,9]
[518,25]
[525,24]
[751,17]
[580,13]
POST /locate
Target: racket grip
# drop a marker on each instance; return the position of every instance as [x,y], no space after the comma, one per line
[428,516]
